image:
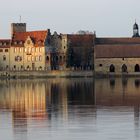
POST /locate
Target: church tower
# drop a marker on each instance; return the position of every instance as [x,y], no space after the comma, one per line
[136,30]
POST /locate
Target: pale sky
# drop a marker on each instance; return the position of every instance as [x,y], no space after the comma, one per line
[106,17]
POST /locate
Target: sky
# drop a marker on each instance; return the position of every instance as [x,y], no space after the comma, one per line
[107,17]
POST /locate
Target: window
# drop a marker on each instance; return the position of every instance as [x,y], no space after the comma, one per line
[20,49]
[40,68]
[36,50]
[14,66]
[40,58]
[100,65]
[32,58]
[64,47]
[6,50]
[124,68]
[1,50]
[112,68]
[25,50]
[15,50]
[32,49]
[137,68]
[36,58]
[4,58]
[18,58]
[47,58]
[28,42]
[56,58]
[29,50]
[60,58]
[40,49]
[28,58]
[20,43]
[15,43]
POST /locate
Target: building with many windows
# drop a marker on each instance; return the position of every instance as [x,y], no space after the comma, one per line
[25,50]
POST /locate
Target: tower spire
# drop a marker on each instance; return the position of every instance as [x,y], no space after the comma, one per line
[135,30]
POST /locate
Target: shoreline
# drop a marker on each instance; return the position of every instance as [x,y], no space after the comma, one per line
[62,74]
[44,74]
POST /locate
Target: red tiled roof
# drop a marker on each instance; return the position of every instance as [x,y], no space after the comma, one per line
[36,36]
[81,40]
[135,40]
[117,51]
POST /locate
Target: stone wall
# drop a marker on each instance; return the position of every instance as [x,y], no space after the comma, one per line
[102,65]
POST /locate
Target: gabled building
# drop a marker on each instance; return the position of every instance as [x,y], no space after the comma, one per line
[25,50]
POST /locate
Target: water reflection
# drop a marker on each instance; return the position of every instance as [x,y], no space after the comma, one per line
[45,107]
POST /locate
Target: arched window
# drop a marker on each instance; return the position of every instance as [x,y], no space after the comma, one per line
[124,68]
[137,68]
[112,68]
[47,58]
[60,58]
[56,58]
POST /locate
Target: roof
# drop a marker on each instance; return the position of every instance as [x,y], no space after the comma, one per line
[81,40]
[117,51]
[118,40]
[36,36]
[5,43]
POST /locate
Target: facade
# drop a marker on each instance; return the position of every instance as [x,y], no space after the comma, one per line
[25,50]
[118,55]
[43,51]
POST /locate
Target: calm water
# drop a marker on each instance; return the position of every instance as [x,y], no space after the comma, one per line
[70,109]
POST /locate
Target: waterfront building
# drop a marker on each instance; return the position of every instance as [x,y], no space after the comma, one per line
[25,50]
[118,55]
[77,51]
[43,51]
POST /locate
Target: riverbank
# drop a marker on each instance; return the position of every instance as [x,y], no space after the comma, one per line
[44,74]
[61,74]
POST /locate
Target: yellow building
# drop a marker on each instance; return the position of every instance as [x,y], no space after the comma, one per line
[25,50]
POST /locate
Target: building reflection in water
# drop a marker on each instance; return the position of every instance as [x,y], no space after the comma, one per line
[30,100]
[41,101]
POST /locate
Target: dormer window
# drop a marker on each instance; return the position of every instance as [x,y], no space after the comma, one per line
[39,42]
[4,44]
[20,43]
[15,43]
[0,43]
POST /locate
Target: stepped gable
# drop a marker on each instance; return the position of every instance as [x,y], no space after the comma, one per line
[81,40]
[103,41]
[5,43]
[38,37]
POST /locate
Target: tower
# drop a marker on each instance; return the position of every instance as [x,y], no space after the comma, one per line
[136,30]
[18,27]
